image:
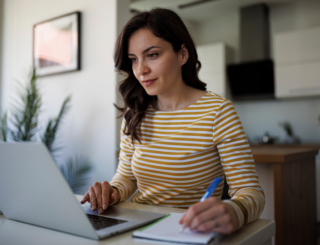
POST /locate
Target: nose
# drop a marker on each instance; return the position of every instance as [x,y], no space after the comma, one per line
[142,69]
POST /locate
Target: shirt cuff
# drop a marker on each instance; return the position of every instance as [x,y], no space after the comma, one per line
[124,185]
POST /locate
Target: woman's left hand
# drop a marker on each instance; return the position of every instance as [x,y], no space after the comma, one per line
[211,215]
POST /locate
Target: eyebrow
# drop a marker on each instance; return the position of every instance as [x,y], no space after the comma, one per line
[146,50]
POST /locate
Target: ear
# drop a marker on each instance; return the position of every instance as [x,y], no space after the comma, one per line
[184,54]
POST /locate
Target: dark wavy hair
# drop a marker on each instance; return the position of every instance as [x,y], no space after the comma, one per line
[164,24]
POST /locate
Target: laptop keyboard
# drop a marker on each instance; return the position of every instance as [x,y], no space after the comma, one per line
[100,222]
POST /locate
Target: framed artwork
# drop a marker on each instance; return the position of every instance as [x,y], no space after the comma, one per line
[56,45]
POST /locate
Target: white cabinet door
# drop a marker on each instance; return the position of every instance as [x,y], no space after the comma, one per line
[297,63]
[298,46]
[298,80]
[213,70]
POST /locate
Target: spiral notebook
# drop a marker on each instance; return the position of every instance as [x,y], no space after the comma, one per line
[167,229]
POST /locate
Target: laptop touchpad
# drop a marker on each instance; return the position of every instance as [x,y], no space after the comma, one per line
[111,212]
[124,214]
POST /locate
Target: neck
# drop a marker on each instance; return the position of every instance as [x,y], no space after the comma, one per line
[174,100]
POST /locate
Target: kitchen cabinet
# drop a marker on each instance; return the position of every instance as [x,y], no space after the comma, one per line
[288,176]
[297,63]
[214,58]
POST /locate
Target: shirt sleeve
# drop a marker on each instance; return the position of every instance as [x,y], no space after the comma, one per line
[124,179]
[247,196]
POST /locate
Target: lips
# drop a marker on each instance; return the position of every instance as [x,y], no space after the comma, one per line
[148,83]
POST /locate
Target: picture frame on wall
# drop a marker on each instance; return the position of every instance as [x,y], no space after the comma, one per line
[56,45]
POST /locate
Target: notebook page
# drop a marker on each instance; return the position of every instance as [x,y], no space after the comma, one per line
[168,229]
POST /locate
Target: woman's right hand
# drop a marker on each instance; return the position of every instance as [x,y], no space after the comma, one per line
[100,196]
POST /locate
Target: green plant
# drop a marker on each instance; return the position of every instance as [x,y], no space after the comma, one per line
[75,171]
[24,127]
[4,127]
[26,111]
[287,127]
[50,133]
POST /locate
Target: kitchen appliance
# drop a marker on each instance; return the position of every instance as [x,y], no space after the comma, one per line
[253,77]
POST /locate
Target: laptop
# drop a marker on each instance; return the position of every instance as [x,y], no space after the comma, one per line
[33,191]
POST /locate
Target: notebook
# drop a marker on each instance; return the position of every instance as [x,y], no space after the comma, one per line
[168,229]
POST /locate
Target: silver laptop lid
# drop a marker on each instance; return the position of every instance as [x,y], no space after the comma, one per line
[26,171]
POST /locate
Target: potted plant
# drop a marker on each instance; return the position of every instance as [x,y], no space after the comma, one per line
[24,127]
[290,137]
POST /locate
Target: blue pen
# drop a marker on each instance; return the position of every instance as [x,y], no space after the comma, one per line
[209,192]
[211,188]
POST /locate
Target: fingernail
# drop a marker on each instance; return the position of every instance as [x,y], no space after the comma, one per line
[93,208]
[100,210]
[183,228]
[104,206]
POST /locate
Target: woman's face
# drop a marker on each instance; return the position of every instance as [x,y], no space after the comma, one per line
[154,63]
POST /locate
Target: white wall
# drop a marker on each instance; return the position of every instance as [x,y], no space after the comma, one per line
[1,38]
[89,129]
[261,116]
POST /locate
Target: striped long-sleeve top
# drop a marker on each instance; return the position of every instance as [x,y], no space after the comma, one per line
[182,151]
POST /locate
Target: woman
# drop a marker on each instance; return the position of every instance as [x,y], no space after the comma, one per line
[176,137]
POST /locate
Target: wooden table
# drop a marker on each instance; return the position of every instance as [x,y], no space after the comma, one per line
[294,191]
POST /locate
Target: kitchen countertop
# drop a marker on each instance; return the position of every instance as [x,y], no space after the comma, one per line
[294,189]
[280,153]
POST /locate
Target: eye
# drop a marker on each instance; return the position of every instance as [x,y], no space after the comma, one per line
[153,55]
[133,59]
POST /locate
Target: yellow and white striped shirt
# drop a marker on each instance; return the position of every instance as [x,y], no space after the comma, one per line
[181,152]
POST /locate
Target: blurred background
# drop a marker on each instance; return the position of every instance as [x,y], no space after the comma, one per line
[263,56]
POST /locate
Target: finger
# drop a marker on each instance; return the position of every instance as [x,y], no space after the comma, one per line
[105,194]
[211,213]
[98,192]
[182,218]
[199,207]
[93,199]
[114,197]
[224,225]
[225,229]
[85,198]
[208,226]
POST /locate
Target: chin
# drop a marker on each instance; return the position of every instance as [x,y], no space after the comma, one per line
[151,92]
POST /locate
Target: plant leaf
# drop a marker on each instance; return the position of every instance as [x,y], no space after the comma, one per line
[4,127]
[26,111]
[76,171]
[287,127]
[53,125]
